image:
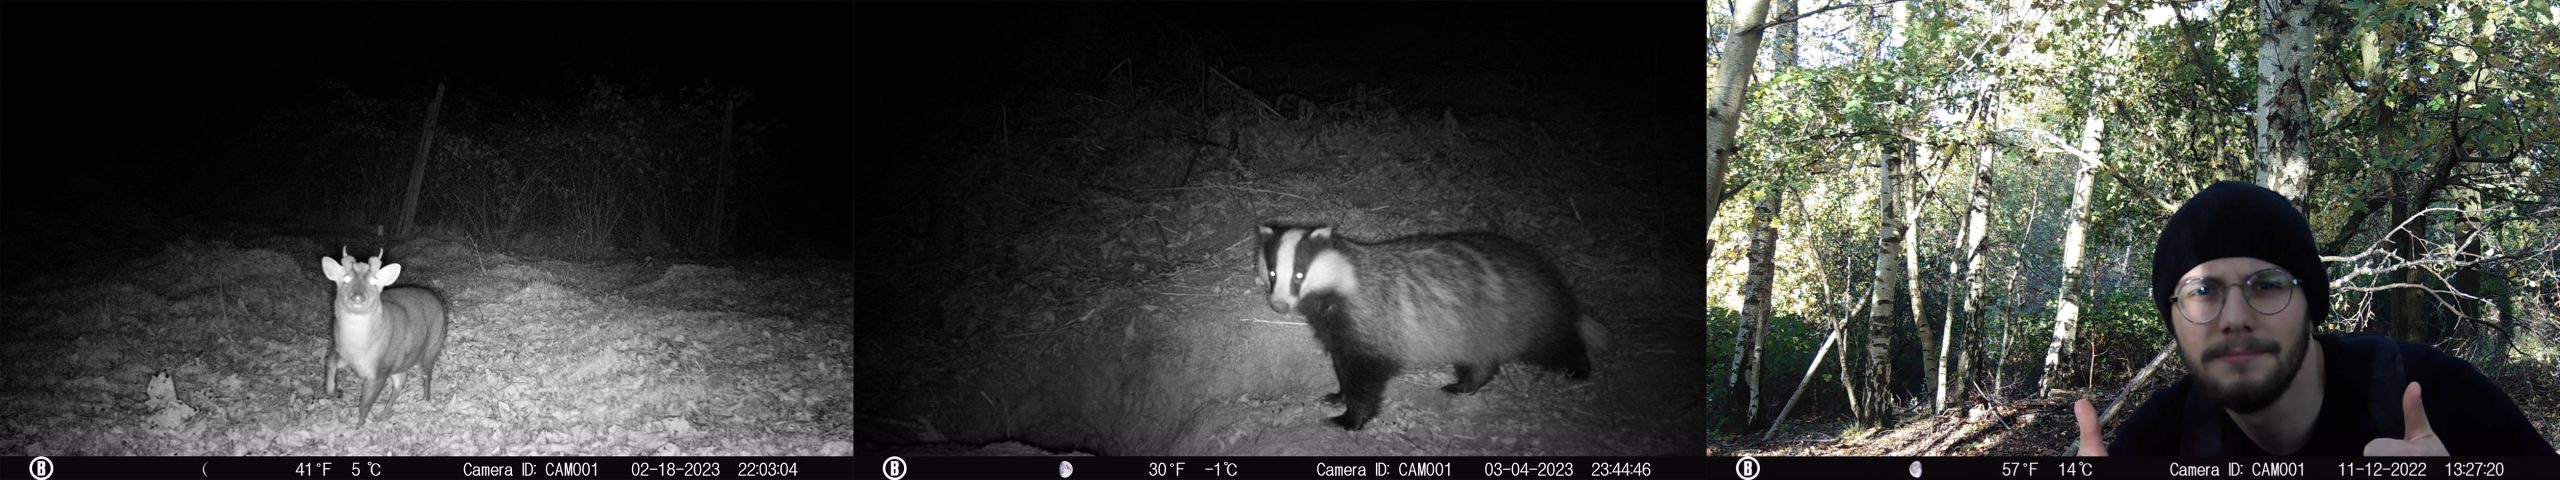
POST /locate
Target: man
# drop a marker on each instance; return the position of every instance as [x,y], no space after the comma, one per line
[2238,282]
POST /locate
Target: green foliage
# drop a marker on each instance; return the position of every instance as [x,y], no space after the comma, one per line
[1785,351]
[2124,317]
[1790,347]
[1720,324]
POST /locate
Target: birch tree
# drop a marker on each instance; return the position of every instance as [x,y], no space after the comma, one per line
[1742,383]
[1878,379]
[2282,119]
[1742,379]
[1969,259]
[2075,236]
[1726,97]
[1911,255]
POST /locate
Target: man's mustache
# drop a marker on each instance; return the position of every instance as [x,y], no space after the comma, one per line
[2241,345]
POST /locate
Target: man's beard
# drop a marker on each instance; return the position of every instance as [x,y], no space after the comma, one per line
[2244,397]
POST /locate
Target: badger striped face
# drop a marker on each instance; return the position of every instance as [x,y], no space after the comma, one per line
[1297,261]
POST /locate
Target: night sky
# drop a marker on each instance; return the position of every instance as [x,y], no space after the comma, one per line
[148,100]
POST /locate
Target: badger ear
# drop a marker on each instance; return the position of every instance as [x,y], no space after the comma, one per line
[1265,231]
[1321,233]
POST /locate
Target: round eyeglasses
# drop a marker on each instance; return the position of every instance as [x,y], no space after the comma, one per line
[2267,292]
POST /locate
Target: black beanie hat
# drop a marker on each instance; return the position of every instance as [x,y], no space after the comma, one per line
[2235,219]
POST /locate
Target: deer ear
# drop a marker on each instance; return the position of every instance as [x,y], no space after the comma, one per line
[384,276]
[330,268]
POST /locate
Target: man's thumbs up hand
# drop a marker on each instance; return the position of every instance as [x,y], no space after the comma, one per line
[2419,440]
[2092,444]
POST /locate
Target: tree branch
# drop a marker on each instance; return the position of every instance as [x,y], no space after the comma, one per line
[1735,189]
[2395,286]
[2051,142]
[2376,260]
[2346,231]
[2168,206]
[1801,15]
[1846,134]
[2365,265]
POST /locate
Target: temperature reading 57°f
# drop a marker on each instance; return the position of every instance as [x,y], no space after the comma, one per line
[2017,469]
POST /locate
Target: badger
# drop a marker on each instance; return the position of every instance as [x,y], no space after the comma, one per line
[1470,300]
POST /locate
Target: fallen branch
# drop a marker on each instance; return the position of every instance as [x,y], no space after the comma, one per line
[2139,380]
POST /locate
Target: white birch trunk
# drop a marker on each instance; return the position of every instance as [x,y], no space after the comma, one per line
[2074,242]
[2282,119]
[1877,381]
[1727,95]
[1743,383]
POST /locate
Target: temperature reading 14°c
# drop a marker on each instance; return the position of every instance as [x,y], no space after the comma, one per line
[2079,469]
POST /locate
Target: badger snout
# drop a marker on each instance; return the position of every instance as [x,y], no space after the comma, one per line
[1284,306]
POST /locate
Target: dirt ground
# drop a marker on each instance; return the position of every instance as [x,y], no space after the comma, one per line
[2042,427]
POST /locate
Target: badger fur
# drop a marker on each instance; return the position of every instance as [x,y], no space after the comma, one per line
[1470,300]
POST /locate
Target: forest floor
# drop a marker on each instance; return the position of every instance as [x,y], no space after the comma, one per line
[2044,427]
[221,348]
[1982,427]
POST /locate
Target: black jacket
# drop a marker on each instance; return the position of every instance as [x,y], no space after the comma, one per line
[2471,415]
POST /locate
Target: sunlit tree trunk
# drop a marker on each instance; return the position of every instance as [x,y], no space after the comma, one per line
[1742,384]
[1742,381]
[1879,376]
[2282,119]
[1731,87]
[2075,235]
